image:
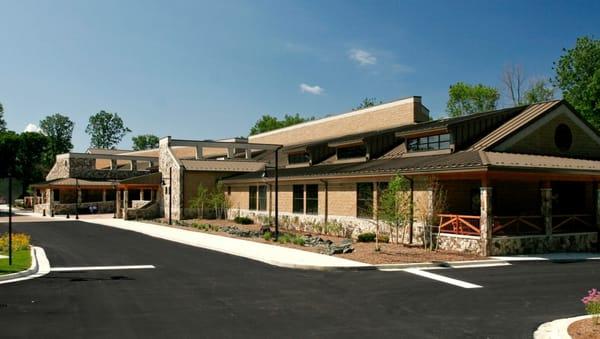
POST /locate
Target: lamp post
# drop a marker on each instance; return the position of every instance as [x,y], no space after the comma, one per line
[276,168]
[76,198]
[116,205]
[10,252]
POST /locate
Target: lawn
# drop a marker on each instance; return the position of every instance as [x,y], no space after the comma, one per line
[21,261]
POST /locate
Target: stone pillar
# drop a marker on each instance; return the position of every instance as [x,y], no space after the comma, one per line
[248,153]
[486,221]
[79,195]
[152,194]
[119,206]
[50,197]
[134,165]
[103,195]
[125,203]
[113,164]
[141,194]
[546,195]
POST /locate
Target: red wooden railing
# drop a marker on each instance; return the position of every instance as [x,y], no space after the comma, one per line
[459,224]
[566,223]
[518,224]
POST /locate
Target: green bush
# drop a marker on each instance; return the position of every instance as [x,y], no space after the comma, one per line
[243,220]
[267,236]
[366,237]
[284,238]
[298,240]
[384,238]
[20,241]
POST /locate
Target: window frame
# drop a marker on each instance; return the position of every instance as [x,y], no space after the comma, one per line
[312,202]
[350,154]
[262,201]
[298,202]
[427,143]
[252,198]
[364,205]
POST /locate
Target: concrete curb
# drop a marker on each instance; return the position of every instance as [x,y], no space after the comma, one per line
[33,269]
[557,329]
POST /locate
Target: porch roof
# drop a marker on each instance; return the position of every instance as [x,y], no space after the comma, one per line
[72,182]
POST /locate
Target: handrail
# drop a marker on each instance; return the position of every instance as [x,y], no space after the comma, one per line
[460,224]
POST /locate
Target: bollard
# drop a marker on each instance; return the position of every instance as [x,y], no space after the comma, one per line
[52,213]
[68,215]
[44,212]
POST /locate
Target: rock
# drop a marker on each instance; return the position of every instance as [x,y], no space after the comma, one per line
[264,229]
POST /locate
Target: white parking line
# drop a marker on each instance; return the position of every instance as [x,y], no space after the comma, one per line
[441,278]
[101,268]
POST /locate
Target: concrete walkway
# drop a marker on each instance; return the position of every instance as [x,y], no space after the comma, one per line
[270,254]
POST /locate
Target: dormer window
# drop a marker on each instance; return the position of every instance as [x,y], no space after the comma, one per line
[356,151]
[429,143]
[298,158]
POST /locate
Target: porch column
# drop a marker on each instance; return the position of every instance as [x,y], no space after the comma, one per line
[104,195]
[119,206]
[125,203]
[546,192]
[486,222]
[141,194]
[597,192]
[50,197]
[79,195]
[152,194]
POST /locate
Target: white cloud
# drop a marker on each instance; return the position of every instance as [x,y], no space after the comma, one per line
[316,90]
[362,57]
[32,128]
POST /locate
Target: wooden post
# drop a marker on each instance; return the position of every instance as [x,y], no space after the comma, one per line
[104,195]
[125,203]
[486,222]
[119,205]
[141,194]
[546,195]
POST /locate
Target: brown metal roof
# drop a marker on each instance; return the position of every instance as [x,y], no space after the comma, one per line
[531,113]
[146,179]
[223,165]
[501,159]
[73,182]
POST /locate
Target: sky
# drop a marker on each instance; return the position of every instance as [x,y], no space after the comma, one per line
[209,70]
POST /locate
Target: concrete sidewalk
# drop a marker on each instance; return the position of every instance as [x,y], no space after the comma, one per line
[270,254]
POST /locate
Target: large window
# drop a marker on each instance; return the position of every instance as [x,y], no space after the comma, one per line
[364,200]
[262,198]
[429,143]
[252,198]
[351,152]
[298,158]
[312,199]
[298,199]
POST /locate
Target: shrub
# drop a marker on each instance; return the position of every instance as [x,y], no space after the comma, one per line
[20,241]
[592,304]
[284,238]
[366,237]
[384,238]
[298,240]
[267,236]
[243,220]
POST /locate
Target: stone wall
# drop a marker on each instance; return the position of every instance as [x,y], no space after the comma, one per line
[168,161]
[459,243]
[70,166]
[103,207]
[150,211]
[573,242]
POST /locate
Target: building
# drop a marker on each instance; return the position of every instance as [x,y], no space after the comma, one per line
[515,180]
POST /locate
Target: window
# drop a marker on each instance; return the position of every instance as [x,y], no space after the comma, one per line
[298,158]
[298,199]
[252,198]
[262,198]
[563,138]
[429,143]
[351,152]
[364,200]
[312,199]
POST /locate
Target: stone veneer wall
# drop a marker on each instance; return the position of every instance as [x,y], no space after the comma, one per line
[150,211]
[103,207]
[459,243]
[167,160]
[339,225]
[572,242]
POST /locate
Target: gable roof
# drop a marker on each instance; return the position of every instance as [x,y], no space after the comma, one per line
[528,115]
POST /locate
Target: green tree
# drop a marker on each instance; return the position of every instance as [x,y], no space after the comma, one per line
[268,123]
[395,205]
[145,141]
[200,200]
[539,90]
[2,121]
[59,130]
[106,130]
[9,146]
[30,153]
[578,76]
[367,102]
[219,200]
[465,99]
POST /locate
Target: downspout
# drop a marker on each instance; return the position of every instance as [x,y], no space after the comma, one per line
[412,210]
[326,219]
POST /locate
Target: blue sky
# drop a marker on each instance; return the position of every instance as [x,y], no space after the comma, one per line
[200,70]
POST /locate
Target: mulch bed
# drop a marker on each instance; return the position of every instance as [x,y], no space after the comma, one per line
[364,252]
[584,329]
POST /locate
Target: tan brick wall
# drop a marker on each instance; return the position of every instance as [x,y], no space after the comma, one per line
[542,140]
[371,119]
[191,181]
[342,199]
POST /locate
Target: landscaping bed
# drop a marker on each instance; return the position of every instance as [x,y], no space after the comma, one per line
[584,329]
[326,244]
[21,262]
